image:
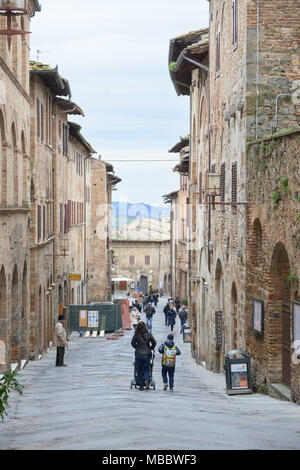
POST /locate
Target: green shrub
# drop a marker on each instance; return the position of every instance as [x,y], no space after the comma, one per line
[8,383]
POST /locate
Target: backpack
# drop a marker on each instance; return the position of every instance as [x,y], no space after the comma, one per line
[169,356]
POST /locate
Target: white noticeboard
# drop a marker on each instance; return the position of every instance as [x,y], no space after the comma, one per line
[93,319]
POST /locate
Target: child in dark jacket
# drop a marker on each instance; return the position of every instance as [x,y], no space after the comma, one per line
[169,352]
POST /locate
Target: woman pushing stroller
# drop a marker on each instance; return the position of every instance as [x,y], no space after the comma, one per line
[144,343]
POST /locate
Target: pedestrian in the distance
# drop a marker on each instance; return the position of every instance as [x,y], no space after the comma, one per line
[169,352]
[166,310]
[171,317]
[144,343]
[137,305]
[150,311]
[60,341]
[177,304]
[135,317]
[183,316]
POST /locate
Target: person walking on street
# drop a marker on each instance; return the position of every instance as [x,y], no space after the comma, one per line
[137,305]
[144,343]
[169,352]
[150,311]
[183,315]
[166,310]
[135,317]
[171,317]
[177,304]
[60,341]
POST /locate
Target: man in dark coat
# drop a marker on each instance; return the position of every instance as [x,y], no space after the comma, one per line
[171,317]
[166,310]
[144,343]
[150,311]
[183,315]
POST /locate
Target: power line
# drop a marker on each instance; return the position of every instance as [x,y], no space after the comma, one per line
[141,160]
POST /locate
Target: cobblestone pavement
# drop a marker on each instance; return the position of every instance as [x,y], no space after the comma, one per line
[89,405]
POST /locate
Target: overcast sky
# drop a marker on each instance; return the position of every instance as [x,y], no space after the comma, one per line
[115,55]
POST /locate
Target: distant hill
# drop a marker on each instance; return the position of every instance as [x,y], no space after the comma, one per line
[125,212]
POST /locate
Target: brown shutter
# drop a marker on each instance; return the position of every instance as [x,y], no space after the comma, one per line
[234,185]
[39,231]
[218,55]
[200,187]
[222,185]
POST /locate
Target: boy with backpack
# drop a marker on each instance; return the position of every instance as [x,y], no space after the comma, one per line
[169,352]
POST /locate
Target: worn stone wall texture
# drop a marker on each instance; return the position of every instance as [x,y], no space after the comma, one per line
[98,284]
[273,66]
[41,199]
[14,189]
[273,254]
[234,106]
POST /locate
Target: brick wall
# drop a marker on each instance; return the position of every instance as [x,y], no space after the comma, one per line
[273,251]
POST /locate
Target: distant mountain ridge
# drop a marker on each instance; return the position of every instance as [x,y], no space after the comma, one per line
[126,212]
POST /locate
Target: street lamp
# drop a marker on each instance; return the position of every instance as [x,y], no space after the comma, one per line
[13,8]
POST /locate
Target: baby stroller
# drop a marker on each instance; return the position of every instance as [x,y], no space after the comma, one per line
[151,381]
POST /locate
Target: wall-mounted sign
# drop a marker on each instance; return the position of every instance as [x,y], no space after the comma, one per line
[93,319]
[219,327]
[74,277]
[296,321]
[239,376]
[258,316]
[83,318]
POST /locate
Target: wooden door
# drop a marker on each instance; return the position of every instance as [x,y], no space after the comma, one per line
[286,344]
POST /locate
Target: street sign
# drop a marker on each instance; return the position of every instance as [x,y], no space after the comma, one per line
[74,277]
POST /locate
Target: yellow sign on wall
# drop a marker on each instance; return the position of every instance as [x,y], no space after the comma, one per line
[74,277]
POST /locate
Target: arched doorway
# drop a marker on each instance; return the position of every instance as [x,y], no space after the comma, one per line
[234,317]
[3,320]
[144,284]
[40,321]
[219,317]
[280,316]
[24,332]
[15,319]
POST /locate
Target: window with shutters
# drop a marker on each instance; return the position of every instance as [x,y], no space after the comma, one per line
[200,188]
[234,24]
[42,123]
[39,222]
[131,259]
[38,118]
[147,260]
[218,53]
[61,218]
[44,222]
[65,140]
[223,185]
[234,186]
[213,198]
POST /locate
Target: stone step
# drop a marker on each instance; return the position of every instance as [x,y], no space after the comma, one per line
[280,391]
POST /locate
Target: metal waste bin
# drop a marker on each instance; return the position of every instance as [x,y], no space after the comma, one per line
[187,333]
[238,373]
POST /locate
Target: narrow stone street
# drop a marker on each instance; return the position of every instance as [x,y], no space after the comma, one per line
[89,405]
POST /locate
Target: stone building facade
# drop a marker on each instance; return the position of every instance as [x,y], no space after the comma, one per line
[103,182]
[242,76]
[14,191]
[46,203]
[179,252]
[144,260]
